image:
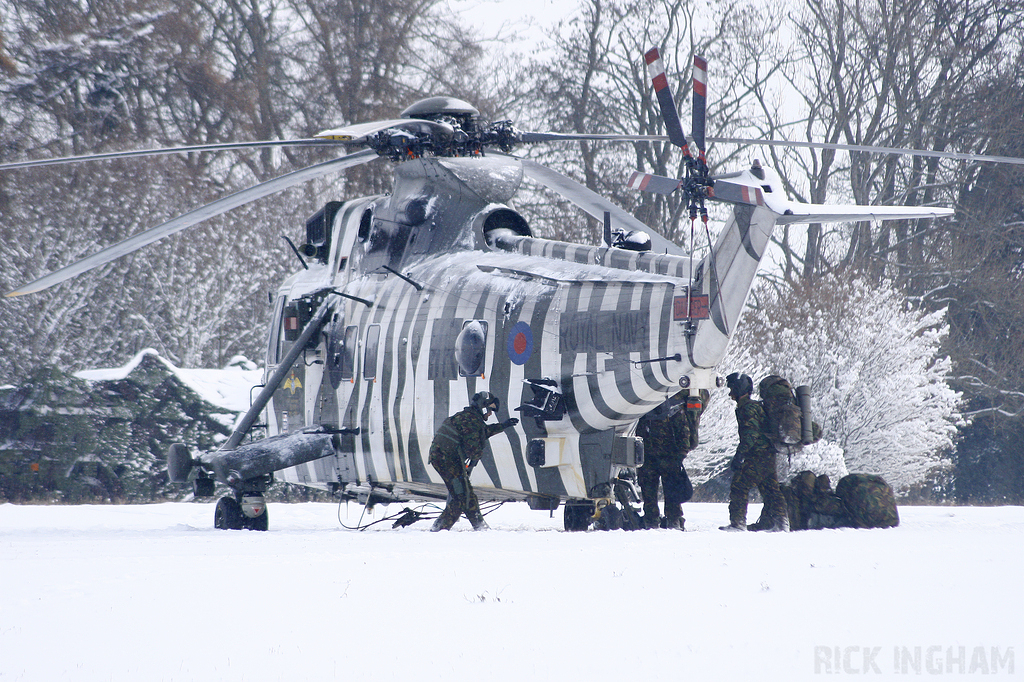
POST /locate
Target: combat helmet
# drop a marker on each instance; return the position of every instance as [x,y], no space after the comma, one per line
[484,401]
[739,385]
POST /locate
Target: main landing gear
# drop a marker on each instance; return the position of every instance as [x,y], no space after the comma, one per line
[615,509]
[242,512]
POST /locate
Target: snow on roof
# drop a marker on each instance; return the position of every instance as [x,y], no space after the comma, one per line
[228,388]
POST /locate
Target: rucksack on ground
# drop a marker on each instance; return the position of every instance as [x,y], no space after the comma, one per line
[812,503]
[870,502]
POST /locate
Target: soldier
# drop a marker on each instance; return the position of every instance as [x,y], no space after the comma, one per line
[669,432]
[754,463]
[454,452]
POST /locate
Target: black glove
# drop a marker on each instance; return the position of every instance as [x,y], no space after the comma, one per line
[509,423]
[736,464]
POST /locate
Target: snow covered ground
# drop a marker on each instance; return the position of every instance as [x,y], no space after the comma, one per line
[155,593]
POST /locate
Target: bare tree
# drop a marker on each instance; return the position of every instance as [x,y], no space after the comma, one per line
[121,74]
[939,75]
[598,83]
[895,75]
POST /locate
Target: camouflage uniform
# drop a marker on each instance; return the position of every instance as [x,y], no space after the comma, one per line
[666,442]
[756,459]
[456,448]
[812,504]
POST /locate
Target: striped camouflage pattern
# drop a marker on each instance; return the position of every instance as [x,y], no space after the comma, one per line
[589,313]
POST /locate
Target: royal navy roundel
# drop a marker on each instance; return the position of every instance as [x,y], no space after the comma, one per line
[520,343]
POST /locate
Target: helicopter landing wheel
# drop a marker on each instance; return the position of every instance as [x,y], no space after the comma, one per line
[578,515]
[228,515]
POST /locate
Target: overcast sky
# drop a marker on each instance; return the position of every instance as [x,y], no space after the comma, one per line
[520,24]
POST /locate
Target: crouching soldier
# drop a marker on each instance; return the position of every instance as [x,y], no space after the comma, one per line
[455,450]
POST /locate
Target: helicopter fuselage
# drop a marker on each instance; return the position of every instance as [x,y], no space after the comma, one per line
[446,294]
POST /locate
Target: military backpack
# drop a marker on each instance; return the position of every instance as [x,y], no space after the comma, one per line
[781,410]
[869,501]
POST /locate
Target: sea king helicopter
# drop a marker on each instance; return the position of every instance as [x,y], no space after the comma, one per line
[410,303]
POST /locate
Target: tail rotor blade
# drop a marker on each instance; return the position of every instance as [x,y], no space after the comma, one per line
[648,182]
[700,97]
[656,70]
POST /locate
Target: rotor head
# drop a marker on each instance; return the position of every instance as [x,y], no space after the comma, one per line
[442,109]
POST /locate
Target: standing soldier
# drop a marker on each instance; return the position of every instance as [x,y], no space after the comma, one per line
[754,463]
[669,432]
[454,452]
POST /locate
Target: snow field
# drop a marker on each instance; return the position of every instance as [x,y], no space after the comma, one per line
[155,593]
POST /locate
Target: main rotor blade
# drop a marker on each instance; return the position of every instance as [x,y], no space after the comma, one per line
[875,150]
[170,150]
[656,70]
[841,213]
[594,204]
[700,99]
[529,138]
[193,217]
[961,156]
[361,132]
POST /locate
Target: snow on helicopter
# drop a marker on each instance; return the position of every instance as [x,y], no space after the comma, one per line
[410,303]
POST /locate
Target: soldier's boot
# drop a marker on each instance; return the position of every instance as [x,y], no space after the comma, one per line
[440,523]
[735,526]
[652,516]
[674,516]
[762,523]
[779,524]
[452,512]
[651,522]
[477,519]
[675,523]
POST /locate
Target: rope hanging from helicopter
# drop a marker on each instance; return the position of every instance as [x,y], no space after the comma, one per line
[696,189]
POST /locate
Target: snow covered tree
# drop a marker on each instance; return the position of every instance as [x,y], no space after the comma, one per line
[112,75]
[878,382]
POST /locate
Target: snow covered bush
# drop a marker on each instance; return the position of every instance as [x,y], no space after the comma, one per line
[878,381]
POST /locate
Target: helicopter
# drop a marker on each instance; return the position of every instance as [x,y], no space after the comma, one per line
[409,303]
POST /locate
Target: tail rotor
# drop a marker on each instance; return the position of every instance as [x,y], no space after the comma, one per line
[656,70]
[697,185]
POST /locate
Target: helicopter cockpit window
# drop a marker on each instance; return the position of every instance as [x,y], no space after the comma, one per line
[370,358]
[364,225]
[273,345]
[348,352]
